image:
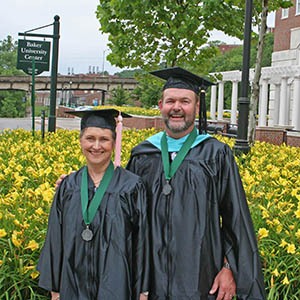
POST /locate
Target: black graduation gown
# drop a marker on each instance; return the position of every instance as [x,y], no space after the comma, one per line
[187,240]
[113,264]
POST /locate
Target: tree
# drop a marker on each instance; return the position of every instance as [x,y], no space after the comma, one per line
[119,96]
[260,15]
[11,102]
[148,90]
[8,57]
[128,73]
[147,33]
[233,60]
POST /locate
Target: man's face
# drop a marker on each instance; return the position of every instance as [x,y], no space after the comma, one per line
[178,108]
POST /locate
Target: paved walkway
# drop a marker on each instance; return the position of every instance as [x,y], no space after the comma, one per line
[26,123]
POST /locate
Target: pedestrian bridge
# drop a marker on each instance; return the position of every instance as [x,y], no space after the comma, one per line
[77,82]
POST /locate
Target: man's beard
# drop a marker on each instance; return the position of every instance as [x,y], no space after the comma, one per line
[181,128]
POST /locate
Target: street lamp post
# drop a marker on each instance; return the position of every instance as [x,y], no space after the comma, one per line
[242,144]
[52,112]
[103,62]
[70,94]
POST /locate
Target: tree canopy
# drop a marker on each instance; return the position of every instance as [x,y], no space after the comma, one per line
[148,33]
[232,60]
[8,57]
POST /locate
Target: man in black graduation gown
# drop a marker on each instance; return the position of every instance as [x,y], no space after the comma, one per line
[197,207]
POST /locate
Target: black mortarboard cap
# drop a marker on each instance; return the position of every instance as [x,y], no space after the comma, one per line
[180,78]
[102,118]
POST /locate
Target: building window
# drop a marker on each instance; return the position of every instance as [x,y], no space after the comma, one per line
[284,13]
[297,7]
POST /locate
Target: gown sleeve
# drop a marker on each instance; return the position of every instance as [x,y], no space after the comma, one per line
[239,239]
[140,247]
[49,264]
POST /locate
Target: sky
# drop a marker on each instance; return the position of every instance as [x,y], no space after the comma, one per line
[82,46]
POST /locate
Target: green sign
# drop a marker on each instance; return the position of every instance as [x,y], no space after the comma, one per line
[37,50]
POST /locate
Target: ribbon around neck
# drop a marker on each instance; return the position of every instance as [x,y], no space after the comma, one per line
[90,212]
[170,170]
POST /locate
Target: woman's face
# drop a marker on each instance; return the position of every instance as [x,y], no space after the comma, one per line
[97,145]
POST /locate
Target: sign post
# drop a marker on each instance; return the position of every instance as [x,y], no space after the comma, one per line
[39,51]
[33,95]
[33,59]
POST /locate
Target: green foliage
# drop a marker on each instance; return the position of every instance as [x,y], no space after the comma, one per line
[8,57]
[119,96]
[148,91]
[11,103]
[38,110]
[148,33]
[128,73]
[233,60]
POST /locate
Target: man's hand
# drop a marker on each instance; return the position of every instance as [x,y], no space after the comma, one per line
[143,297]
[225,282]
[54,296]
[59,180]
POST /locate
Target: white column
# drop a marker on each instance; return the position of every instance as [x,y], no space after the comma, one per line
[296,104]
[262,120]
[283,102]
[288,105]
[275,116]
[234,99]
[220,100]
[213,102]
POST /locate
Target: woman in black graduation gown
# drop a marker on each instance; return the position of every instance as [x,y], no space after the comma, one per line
[96,247]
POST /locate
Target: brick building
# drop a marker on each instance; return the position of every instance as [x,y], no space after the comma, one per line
[286,22]
[225,48]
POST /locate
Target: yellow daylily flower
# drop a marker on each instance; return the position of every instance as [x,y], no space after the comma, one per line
[285,280]
[3,233]
[291,248]
[33,245]
[283,244]
[275,272]
[34,274]
[262,233]
[15,241]
[39,211]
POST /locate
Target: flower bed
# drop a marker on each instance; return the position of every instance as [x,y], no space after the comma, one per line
[29,169]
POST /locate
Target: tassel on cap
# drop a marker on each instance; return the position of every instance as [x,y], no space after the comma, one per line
[104,118]
[118,147]
[202,114]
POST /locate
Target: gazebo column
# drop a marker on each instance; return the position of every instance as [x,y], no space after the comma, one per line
[263,107]
[234,98]
[296,104]
[283,103]
[220,100]
[213,102]
[275,114]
